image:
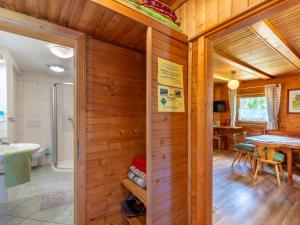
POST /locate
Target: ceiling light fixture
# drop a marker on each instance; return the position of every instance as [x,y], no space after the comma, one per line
[57,69]
[234,83]
[62,51]
[2,59]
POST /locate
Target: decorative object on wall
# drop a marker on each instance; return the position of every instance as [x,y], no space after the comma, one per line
[171,96]
[294,100]
[170,99]
[170,73]
[234,83]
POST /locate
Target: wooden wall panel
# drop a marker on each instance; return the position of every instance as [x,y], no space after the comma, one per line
[115,131]
[194,132]
[197,16]
[201,132]
[169,150]
[84,15]
[287,122]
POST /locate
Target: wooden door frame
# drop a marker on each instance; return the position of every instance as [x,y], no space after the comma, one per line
[202,98]
[21,24]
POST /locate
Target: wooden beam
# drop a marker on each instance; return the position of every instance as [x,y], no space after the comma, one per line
[220,77]
[230,60]
[271,36]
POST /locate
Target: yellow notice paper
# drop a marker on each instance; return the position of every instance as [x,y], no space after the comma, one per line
[169,73]
[170,99]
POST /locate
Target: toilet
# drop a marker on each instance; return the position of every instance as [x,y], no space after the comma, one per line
[41,157]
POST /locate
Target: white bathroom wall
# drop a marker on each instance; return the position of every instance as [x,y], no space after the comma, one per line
[65,111]
[8,129]
[3,98]
[34,107]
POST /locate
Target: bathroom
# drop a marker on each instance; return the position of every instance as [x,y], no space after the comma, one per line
[37,119]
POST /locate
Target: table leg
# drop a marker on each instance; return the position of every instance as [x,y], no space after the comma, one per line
[290,166]
[254,162]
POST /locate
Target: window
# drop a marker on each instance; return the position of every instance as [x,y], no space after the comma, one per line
[253,109]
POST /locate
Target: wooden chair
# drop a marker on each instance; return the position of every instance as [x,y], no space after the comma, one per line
[243,149]
[267,154]
[218,138]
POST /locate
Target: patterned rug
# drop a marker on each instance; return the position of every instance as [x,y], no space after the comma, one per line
[56,195]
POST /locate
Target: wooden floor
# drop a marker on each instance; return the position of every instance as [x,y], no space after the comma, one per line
[240,201]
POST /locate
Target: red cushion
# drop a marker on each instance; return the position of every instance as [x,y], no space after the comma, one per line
[159,7]
[140,163]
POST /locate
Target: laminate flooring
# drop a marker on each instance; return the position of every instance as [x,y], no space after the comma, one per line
[238,200]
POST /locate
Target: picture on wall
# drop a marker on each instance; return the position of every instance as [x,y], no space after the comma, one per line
[294,101]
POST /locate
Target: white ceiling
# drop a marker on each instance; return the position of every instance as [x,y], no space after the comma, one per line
[33,55]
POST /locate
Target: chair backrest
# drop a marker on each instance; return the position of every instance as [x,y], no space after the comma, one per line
[266,151]
[238,138]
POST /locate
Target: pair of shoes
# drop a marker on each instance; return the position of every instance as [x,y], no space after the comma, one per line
[133,207]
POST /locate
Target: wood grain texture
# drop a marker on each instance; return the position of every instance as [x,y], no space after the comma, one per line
[249,48]
[209,13]
[224,71]
[141,220]
[231,185]
[116,126]
[201,133]
[275,40]
[239,64]
[169,147]
[261,48]
[149,121]
[174,4]
[194,131]
[288,25]
[85,16]
[140,193]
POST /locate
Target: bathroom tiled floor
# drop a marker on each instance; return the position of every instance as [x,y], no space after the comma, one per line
[24,207]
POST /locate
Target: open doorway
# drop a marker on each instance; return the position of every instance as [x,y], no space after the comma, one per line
[37,131]
[256,72]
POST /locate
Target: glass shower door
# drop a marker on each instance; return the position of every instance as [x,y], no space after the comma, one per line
[63,126]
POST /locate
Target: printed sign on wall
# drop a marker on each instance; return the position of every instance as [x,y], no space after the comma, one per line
[170,88]
[170,73]
[170,99]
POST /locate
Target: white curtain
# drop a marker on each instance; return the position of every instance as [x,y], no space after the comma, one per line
[233,106]
[273,95]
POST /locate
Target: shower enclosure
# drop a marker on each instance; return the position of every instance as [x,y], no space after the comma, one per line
[63,126]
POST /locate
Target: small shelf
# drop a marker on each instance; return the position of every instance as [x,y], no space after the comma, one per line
[140,193]
[140,220]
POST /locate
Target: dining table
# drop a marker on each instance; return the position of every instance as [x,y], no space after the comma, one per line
[287,145]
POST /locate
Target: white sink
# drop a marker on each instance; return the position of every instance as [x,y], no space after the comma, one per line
[17,146]
[20,146]
[33,147]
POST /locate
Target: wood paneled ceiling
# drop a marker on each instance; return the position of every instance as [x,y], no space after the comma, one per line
[266,49]
[86,16]
[174,4]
